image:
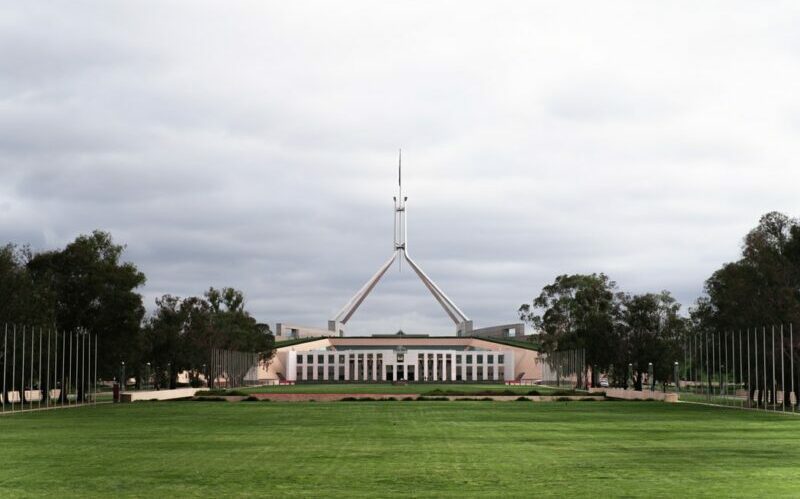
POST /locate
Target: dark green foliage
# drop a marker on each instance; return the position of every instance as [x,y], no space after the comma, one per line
[762,287]
[89,287]
[224,393]
[440,392]
[183,331]
[614,329]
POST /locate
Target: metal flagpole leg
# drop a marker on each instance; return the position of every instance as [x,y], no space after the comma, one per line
[741,371]
[47,400]
[749,385]
[30,385]
[14,368]
[764,366]
[95,369]
[39,372]
[783,376]
[791,354]
[22,373]
[70,368]
[5,363]
[63,394]
[774,379]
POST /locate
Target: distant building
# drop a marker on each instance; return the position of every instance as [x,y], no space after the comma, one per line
[478,355]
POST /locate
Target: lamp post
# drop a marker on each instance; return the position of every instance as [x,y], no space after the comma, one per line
[677,380]
[147,376]
[122,378]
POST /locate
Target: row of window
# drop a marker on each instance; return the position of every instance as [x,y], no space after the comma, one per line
[409,373]
[309,359]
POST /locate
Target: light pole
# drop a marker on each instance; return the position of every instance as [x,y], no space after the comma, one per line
[147,377]
[122,378]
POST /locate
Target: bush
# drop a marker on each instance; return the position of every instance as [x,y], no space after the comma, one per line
[220,393]
[523,399]
[457,393]
[432,399]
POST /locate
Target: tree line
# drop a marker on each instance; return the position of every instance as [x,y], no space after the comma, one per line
[622,333]
[87,286]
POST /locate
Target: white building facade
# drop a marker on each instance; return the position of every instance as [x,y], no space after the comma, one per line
[400,364]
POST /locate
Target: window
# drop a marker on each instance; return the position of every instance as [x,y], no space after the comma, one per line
[469,359]
[500,359]
[320,359]
[331,358]
[480,359]
[480,372]
[458,359]
[310,359]
[341,359]
[320,372]
[299,359]
[400,357]
[490,372]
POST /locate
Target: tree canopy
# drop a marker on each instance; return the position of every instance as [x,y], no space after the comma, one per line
[614,329]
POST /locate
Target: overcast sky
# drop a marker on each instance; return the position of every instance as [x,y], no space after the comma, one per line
[254,144]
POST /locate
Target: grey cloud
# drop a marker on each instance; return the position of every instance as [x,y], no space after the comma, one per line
[260,151]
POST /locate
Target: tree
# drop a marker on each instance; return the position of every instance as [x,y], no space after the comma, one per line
[761,288]
[183,331]
[652,331]
[94,290]
[577,311]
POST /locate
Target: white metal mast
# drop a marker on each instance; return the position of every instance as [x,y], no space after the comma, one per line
[463,323]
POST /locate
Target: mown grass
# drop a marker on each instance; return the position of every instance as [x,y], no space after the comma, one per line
[367,449]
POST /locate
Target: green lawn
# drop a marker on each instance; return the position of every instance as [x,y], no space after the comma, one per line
[412,388]
[513,449]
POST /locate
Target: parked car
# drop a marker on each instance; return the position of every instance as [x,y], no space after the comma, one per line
[604,382]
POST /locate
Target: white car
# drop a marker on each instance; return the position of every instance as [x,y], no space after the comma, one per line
[604,382]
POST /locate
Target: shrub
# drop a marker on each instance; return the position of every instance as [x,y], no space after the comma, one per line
[220,393]
[523,399]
